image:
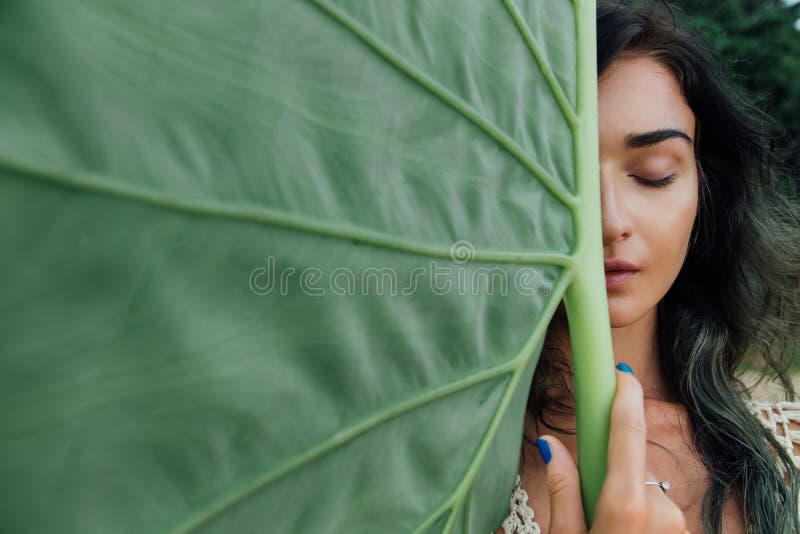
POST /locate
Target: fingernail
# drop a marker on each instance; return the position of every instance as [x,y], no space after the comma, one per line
[544,450]
[622,366]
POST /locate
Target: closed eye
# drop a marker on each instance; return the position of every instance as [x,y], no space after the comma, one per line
[662,182]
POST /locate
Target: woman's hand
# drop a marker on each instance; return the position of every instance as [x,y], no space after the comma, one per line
[625,503]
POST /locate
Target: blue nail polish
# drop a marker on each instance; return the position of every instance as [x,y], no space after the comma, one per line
[622,366]
[544,450]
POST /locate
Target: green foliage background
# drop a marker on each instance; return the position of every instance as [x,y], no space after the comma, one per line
[760,47]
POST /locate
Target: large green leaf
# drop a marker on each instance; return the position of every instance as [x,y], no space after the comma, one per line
[161,162]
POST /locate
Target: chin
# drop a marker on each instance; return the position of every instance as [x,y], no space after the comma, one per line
[622,314]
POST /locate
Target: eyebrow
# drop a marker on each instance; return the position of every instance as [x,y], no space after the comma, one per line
[637,140]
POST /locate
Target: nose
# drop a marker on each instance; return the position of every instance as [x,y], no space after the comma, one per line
[616,222]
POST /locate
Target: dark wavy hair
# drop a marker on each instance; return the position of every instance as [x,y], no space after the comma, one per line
[735,301]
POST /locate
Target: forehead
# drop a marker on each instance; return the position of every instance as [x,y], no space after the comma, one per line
[639,94]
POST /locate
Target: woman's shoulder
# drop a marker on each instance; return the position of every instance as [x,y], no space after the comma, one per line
[782,418]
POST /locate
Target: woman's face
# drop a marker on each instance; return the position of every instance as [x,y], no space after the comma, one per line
[646,135]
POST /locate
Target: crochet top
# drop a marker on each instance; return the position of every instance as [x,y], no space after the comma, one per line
[773,415]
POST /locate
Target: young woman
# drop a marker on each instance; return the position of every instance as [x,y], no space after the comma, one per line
[702,273]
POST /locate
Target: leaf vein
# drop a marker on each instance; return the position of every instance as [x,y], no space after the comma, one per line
[104,185]
[544,67]
[522,358]
[346,435]
[450,99]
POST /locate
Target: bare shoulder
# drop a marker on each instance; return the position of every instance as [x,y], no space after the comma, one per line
[783,419]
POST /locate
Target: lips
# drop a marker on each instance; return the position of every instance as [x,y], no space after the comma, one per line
[619,273]
[618,264]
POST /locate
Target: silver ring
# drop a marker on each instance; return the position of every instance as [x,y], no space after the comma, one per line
[664,485]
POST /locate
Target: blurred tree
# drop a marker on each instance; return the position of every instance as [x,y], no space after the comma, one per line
[759,43]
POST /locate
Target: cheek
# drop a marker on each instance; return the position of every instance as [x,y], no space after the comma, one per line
[665,223]
[662,222]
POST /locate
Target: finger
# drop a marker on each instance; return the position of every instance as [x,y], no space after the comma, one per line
[627,444]
[664,516]
[563,485]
